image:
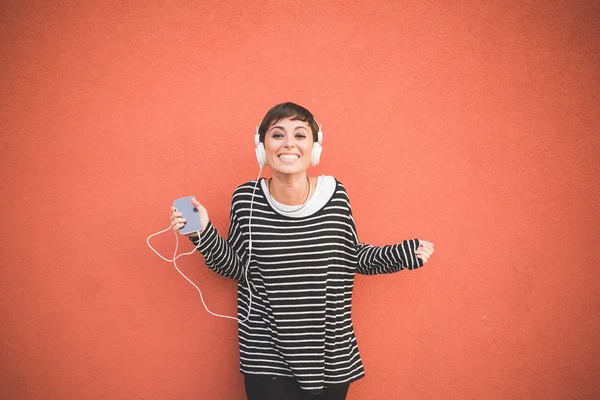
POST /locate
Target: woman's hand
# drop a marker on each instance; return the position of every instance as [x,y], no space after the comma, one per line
[177,220]
[424,251]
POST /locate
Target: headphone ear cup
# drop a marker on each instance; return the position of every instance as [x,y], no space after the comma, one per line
[261,155]
[315,156]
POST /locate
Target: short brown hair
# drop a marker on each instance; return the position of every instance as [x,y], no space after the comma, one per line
[287,110]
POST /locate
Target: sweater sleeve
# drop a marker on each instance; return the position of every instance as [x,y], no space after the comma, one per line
[219,254]
[373,260]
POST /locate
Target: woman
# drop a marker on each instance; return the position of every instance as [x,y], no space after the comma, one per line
[296,237]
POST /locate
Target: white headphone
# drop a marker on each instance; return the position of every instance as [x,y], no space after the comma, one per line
[315,157]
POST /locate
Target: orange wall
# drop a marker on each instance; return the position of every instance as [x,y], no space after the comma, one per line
[473,126]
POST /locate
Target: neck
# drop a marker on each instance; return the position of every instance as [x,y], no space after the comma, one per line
[290,190]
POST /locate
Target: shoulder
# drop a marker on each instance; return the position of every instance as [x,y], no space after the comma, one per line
[340,189]
[328,186]
[329,180]
[246,192]
[247,186]
[339,195]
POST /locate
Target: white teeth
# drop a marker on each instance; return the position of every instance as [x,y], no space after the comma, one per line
[288,157]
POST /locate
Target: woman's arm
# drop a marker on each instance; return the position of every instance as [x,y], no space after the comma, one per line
[219,254]
[373,260]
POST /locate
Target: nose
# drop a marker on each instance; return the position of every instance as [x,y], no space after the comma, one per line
[288,141]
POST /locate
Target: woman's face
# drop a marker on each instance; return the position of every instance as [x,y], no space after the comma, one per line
[288,146]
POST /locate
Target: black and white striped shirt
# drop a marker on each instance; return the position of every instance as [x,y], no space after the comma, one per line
[301,273]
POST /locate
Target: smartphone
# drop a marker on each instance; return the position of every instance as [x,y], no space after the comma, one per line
[190,213]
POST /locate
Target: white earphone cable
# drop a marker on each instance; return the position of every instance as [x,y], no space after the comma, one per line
[250,246]
[175,257]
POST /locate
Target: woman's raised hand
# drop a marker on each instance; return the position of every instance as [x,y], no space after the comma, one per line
[424,251]
[177,220]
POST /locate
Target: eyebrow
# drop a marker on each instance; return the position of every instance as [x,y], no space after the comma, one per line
[281,127]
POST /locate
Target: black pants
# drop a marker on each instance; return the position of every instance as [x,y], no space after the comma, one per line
[259,387]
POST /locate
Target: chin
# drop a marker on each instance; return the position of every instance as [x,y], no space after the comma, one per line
[289,169]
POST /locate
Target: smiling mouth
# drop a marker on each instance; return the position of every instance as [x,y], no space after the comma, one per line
[288,157]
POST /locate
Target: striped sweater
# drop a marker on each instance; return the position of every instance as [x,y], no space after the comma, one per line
[301,273]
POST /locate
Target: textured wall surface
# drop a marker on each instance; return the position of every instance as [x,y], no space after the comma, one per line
[469,124]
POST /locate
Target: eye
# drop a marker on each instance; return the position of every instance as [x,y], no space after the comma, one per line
[277,135]
[300,136]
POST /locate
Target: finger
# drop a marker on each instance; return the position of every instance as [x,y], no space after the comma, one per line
[425,243]
[176,215]
[176,221]
[420,253]
[196,203]
[426,247]
[423,258]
